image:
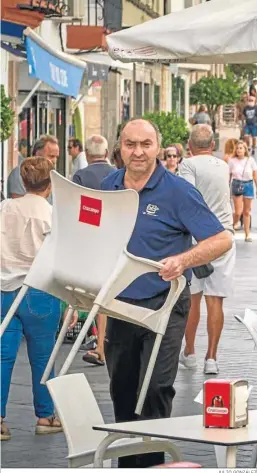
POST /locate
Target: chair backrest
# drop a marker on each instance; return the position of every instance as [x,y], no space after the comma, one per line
[78,411]
[90,229]
[250,322]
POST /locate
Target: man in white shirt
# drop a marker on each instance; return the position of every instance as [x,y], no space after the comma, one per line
[79,160]
[210,175]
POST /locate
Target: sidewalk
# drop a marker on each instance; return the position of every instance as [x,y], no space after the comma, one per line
[236,359]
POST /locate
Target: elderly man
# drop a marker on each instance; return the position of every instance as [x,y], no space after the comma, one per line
[77,154]
[210,176]
[170,211]
[98,168]
[46,146]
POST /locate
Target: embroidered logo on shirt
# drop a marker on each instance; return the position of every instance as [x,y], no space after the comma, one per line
[90,210]
[151,209]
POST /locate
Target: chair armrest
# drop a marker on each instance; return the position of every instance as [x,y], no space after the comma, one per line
[128,268]
[153,264]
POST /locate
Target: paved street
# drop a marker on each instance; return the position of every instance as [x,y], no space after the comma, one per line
[236,359]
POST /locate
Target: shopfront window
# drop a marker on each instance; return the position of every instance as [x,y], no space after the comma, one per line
[44,114]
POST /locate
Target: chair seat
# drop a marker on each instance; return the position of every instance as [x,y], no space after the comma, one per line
[179,465]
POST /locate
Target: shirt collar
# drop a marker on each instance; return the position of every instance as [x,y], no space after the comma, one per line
[151,183]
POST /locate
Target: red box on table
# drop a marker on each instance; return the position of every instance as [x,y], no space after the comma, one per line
[225,403]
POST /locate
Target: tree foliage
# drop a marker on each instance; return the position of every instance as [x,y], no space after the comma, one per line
[244,72]
[173,127]
[216,91]
[7,116]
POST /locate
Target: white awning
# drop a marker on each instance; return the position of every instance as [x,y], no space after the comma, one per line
[216,32]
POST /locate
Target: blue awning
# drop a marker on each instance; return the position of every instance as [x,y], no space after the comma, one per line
[11,32]
[61,71]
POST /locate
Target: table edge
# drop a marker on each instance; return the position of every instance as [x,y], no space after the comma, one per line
[172,437]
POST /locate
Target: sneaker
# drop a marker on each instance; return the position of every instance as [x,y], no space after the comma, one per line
[188,361]
[211,366]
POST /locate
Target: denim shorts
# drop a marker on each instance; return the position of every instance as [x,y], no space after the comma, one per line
[248,191]
[250,130]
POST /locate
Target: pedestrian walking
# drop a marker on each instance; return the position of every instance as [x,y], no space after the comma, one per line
[170,211]
[250,129]
[229,149]
[172,158]
[46,146]
[243,171]
[210,176]
[24,224]
[201,116]
[98,168]
[75,150]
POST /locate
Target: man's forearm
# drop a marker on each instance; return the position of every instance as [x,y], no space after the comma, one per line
[207,250]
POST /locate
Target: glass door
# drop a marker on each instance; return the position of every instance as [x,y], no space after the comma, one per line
[45,115]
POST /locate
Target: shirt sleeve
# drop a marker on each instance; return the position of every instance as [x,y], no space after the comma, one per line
[196,217]
[186,171]
[253,164]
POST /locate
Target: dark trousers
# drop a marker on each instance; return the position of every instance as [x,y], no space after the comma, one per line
[128,350]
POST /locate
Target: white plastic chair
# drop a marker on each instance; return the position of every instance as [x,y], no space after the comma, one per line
[78,412]
[250,322]
[84,262]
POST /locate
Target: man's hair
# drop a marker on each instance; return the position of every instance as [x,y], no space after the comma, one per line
[201,136]
[35,173]
[96,145]
[75,142]
[155,127]
[42,141]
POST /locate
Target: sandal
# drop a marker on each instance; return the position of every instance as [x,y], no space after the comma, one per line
[93,357]
[54,426]
[5,432]
[248,239]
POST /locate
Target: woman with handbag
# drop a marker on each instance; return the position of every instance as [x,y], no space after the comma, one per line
[243,171]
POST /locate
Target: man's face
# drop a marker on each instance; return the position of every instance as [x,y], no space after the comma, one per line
[139,146]
[51,152]
[73,150]
[251,101]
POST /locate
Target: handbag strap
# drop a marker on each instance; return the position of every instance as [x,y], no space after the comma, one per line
[245,167]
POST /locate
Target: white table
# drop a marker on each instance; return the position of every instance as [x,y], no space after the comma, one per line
[190,428]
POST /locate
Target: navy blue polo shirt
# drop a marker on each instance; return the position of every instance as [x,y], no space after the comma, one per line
[171,211]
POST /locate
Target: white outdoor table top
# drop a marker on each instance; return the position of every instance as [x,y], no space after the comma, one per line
[188,428]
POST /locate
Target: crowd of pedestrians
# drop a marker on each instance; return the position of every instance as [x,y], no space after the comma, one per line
[192,228]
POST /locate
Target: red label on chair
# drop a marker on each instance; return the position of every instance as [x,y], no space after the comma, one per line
[90,210]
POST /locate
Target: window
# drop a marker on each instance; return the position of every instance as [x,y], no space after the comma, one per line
[156,98]
[138,105]
[146,98]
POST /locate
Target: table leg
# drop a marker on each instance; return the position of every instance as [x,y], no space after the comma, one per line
[225,456]
[102,447]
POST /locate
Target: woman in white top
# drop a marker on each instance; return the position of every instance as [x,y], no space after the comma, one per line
[243,171]
[24,222]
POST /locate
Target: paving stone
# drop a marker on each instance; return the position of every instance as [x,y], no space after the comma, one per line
[236,359]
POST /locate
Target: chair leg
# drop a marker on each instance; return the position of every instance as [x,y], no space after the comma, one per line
[13,309]
[148,374]
[57,346]
[92,314]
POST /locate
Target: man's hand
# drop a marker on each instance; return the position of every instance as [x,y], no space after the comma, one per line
[204,252]
[173,268]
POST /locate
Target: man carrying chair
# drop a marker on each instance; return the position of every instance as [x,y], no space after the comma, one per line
[170,212]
